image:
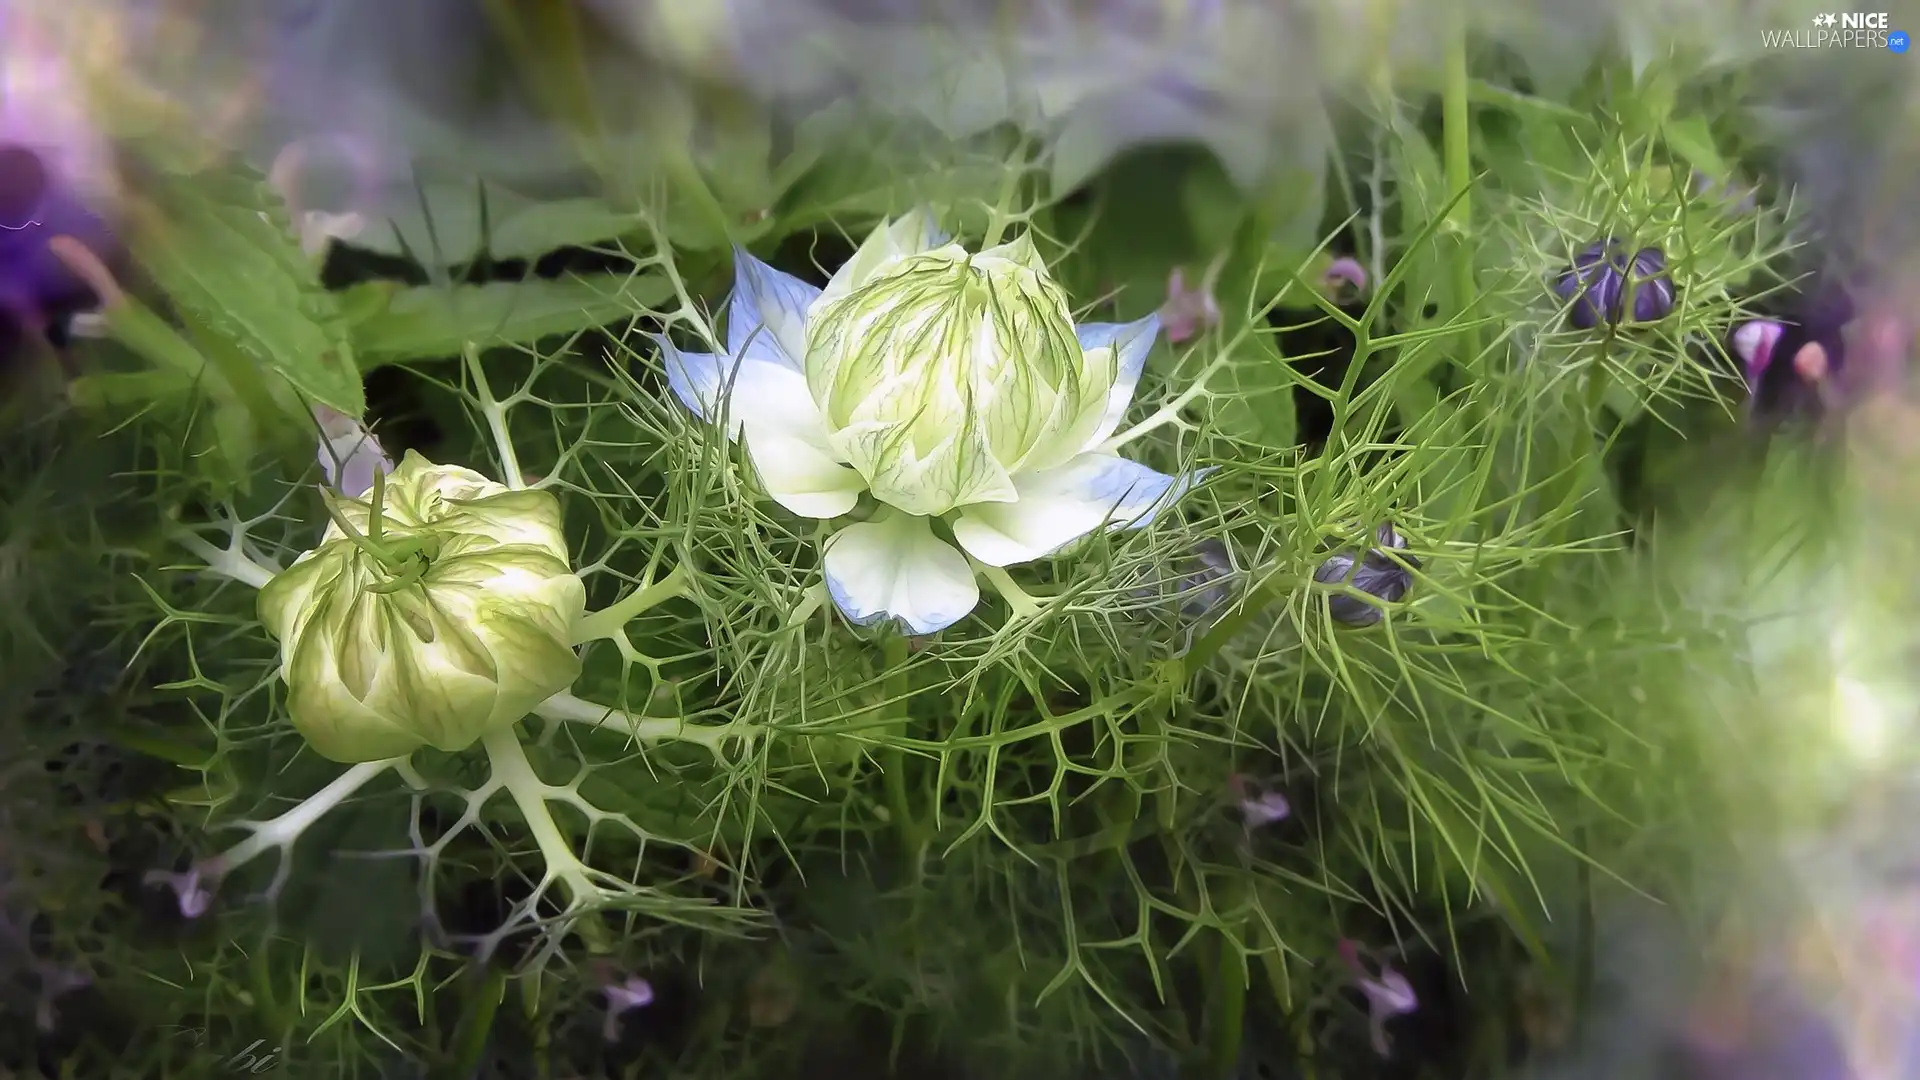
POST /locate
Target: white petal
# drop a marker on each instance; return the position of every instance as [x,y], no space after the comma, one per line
[896,568]
[1131,342]
[1058,506]
[767,318]
[786,436]
[697,380]
[787,439]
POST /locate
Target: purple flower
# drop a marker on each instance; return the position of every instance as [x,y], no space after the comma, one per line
[1376,573]
[1790,363]
[623,997]
[1190,312]
[54,186]
[1343,274]
[1388,993]
[1605,286]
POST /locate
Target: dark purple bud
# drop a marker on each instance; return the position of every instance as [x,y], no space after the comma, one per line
[1376,573]
[1605,286]
[1650,286]
[1207,585]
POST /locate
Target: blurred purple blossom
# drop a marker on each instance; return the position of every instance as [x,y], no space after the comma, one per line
[1388,993]
[1345,273]
[623,997]
[1100,78]
[55,181]
[1190,312]
[1258,807]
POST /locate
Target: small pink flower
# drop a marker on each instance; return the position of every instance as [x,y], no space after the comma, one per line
[1190,312]
[1388,994]
[1344,274]
[623,997]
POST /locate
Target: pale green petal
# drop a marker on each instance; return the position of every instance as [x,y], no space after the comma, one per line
[910,234]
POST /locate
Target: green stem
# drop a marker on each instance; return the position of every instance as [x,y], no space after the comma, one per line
[570,709]
[476,1024]
[1458,150]
[228,564]
[285,829]
[893,764]
[496,414]
[609,621]
[1002,210]
[1226,1011]
[529,793]
[1023,603]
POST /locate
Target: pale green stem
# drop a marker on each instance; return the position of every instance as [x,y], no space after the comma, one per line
[1002,215]
[1458,148]
[570,709]
[226,563]
[688,310]
[286,828]
[609,621]
[515,773]
[1024,605]
[1166,414]
[816,598]
[496,415]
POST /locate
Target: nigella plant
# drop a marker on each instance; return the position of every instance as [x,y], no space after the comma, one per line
[947,385]
[1384,573]
[1607,286]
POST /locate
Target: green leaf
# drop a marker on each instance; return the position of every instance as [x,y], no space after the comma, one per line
[528,230]
[221,246]
[1256,403]
[436,322]
[1691,139]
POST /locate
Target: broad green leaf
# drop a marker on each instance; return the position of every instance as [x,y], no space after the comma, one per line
[221,247]
[1691,139]
[527,230]
[436,322]
[1256,399]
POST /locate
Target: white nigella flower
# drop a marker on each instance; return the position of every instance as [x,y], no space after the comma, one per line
[950,386]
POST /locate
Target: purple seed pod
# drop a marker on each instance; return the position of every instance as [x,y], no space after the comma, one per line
[1606,286]
[1376,574]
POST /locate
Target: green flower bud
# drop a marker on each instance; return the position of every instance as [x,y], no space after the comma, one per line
[448,616]
[941,373]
